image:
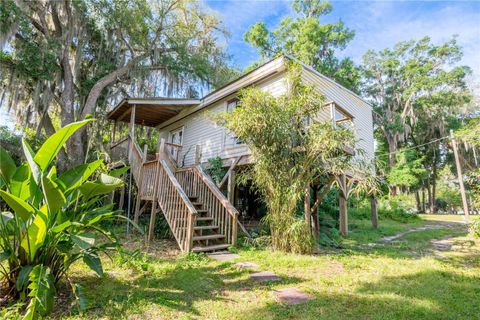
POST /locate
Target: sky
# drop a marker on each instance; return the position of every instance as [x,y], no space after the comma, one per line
[377,24]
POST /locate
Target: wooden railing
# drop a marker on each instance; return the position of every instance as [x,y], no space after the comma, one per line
[147,185]
[177,208]
[136,160]
[119,149]
[197,183]
[162,181]
[173,151]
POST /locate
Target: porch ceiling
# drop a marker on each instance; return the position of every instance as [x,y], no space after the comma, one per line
[149,112]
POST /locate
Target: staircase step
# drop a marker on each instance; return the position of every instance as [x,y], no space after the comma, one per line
[209,237]
[202,211]
[211,248]
[204,219]
[205,227]
[197,203]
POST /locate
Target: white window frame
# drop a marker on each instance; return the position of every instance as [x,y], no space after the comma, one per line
[231,141]
[181,129]
[347,117]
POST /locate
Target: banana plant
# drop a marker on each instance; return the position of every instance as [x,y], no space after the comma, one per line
[53,220]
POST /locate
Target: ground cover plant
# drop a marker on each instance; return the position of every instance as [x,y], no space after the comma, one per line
[51,221]
[365,278]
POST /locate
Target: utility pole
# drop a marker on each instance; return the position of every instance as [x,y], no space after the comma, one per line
[460,176]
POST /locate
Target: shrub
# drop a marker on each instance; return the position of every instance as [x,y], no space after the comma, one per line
[475,228]
[215,169]
[54,220]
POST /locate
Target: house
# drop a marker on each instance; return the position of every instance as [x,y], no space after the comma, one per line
[201,217]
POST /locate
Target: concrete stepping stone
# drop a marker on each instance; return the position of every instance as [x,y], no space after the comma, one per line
[291,296]
[264,276]
[246,265]
[223,256]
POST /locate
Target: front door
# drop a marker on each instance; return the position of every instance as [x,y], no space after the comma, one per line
[176,138]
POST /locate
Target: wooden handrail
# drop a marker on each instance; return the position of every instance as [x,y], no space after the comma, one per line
[114,144]
[178,188]
[178,146]
[216,192]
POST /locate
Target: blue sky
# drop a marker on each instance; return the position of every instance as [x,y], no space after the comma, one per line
[377,24]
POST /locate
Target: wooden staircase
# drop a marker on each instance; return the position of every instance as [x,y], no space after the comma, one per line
[199,215]
[206,234]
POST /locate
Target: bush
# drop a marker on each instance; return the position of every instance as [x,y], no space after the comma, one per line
[474,228]
[54,221]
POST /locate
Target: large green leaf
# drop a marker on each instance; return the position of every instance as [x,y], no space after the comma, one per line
[34,168]
[36,233]
[23,277]
[74,177]
[19,183]
[7,166]
[105,184]
[42,292]
[94,262]
[84,241]
[4,255]
[19,206]
[53,195]
[80,294]
[118,172]
[50,148]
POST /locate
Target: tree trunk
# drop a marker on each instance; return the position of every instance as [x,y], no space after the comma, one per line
[343,218]
[433,207]
[307,206]
[429,196]
[423,199]
[392,161]
[417,200]
[374,212]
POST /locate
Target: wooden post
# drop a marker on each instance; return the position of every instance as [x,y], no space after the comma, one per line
[198,154]
[307,208]
[460,176]
[231,186]
[114,131]
[151,227]
[373,207]
[138,200]
[342,206]
[235,229]
[316,221]
[122,195]
[191,221]
[132,126]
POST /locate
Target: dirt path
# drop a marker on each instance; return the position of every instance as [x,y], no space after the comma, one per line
[432,224]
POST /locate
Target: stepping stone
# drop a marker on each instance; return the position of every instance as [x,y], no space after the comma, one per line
[291,296]
[264,276]
[246,265]
[223,256]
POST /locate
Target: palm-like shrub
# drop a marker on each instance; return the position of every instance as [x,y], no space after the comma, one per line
[54,220]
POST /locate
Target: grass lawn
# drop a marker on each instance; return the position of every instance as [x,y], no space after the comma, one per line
[366,279]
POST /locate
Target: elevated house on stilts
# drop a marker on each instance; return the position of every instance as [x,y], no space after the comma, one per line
[204,215]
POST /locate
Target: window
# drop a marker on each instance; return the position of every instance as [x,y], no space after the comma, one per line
[230,138]
[341,117]
[176,138]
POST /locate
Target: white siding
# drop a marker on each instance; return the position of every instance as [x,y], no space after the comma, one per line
[359,109]
[200,129]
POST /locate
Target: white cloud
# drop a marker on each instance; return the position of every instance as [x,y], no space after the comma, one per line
[382,24]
